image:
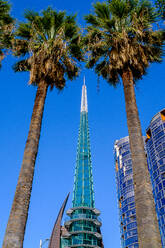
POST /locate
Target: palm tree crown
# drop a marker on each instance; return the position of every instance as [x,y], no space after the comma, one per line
[51,46]
[121,36]
[6,27]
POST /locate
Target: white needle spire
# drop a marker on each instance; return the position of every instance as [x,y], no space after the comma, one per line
[84,105]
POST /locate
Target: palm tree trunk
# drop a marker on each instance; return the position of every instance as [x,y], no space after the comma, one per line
[15,230]
[147,224]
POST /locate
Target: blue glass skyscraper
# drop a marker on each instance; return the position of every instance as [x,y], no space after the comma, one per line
[82,228]
[125,194]
[155,153]
[155,146]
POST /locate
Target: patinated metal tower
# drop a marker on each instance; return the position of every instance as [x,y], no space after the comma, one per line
[82,228]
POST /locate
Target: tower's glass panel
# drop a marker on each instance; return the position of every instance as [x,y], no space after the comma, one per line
[83,186]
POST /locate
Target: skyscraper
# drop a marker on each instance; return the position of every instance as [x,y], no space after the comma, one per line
[155,146]
[82,229]
[125,194]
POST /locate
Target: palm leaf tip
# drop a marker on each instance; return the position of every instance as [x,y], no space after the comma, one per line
[30,15]
[102,10]
[22,65]
[91,19]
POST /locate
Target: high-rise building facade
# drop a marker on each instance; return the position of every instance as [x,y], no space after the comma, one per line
[155,152]
[155,146]
[82,228]
[125,194]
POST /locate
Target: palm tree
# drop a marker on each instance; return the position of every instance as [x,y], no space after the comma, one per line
[6,28]
[50,43]
[121,43]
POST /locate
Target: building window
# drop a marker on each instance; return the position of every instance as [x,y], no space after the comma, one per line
[148,134]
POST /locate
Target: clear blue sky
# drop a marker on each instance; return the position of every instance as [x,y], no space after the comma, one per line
[57,151]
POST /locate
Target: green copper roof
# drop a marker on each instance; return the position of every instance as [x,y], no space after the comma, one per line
[83,194]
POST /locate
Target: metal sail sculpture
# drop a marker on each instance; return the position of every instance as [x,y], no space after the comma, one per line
[56,233]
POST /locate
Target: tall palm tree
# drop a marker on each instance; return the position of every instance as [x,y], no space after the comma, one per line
[121,43]
[6,28]
[50,43]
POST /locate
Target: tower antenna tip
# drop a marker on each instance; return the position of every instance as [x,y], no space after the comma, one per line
[84,79]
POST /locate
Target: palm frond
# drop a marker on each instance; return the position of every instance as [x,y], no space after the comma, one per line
[24,31]
[160,4]
[30,15]
[6,29]
[21,66]
[102,10]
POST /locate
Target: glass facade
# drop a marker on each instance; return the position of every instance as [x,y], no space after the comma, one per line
[83,224]
[155,146]
[155,151]
[83,185]
[125,194]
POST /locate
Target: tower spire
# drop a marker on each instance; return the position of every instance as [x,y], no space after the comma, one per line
[83,186]
[84,79]
[83,226]
[84,104]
